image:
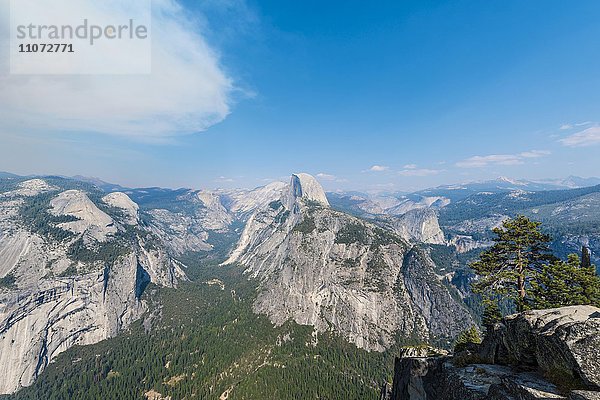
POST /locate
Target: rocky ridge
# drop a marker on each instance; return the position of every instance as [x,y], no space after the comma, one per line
[545,354]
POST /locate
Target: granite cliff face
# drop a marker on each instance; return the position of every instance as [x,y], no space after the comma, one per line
[418,226]
[545,354]
[325,268]
[73,272]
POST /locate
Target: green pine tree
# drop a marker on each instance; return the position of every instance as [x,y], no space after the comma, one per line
[508,267]
[491,312]
[586,257]
[566,283]
[468,336]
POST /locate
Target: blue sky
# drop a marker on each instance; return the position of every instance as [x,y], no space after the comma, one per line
[390,95]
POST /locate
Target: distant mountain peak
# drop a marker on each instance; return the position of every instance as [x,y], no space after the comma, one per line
[305,186]
[506,179]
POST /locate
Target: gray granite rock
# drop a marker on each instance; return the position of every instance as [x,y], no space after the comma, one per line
[564,343]
[436,378]
[584,395]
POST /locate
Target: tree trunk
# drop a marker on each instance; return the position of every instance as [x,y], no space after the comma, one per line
[521,284]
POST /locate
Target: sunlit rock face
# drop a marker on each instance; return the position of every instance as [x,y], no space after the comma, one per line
[324,268]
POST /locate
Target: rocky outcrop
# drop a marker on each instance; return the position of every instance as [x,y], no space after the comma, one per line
[180,233]
[464,244]
[584,395]
[32,187]
[545,354]
[572,243]
[437,378]
[213,215]
[562,342]
[416,225]
[324,268]
[444,316]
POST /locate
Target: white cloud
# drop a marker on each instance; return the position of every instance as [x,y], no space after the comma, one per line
[501,159]
[535,153]
[410,166]
[224,179]
[187,91]
[585,138]
[331,178]
[379,168]
[566,127]
[326,177]
[419,172]
[483,161]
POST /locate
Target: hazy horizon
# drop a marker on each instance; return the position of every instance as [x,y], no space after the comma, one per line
[396,95]
[285,179]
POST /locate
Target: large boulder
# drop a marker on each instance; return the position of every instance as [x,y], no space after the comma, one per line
[584,395]
[438,378]
[563,343]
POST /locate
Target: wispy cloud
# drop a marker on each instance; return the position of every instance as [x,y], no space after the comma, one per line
[565,127]
[410,166]
[326,177]
[419,172]
[224,179]
[483,161]
[330,178]
[379,168]
[585,138]
[187,91]
[535,153]
[501,159]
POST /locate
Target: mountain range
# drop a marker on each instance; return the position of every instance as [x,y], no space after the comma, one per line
[83,261]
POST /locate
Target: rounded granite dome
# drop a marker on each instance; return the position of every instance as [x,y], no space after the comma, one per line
[305,186]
